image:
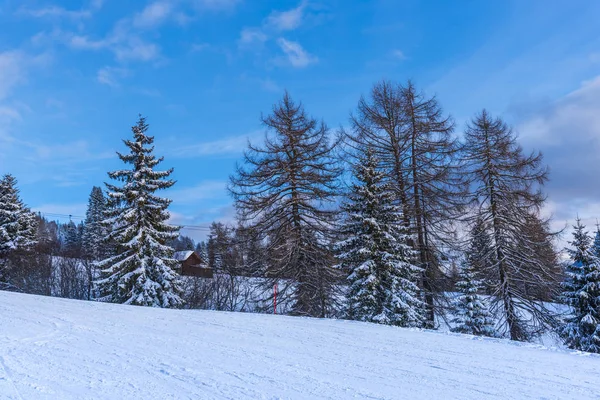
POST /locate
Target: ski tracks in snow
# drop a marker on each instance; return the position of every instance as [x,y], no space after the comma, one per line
[61,349]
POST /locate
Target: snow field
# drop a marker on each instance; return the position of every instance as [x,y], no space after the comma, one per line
[53,348]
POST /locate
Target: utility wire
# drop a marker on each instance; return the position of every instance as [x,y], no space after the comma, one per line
[198,228]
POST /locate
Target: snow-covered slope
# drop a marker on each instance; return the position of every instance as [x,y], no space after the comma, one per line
[63,349]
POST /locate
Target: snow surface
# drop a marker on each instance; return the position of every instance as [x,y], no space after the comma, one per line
[54,348]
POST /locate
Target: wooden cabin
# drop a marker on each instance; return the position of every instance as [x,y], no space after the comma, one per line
[192,264]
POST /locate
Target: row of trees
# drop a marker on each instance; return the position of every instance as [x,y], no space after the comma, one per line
[369,224]
[415,187]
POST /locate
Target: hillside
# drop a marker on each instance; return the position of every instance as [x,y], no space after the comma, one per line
[64,349]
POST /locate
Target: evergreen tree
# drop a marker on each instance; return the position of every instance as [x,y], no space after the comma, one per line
[380,264]
[482,260]
[284,193]
[18,225]
[471,311]
[506,194]
[72,243]
[94,231]
[202,250]
[415,143]
[220,248]
[17,222]
[582,293]
[596,245]
[142,271]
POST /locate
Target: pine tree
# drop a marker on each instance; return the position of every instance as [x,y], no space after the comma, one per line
[18,225]
[94,231]
[582,293]
[141,273]
[506,194]
[284,193]
[375,254]
[471,311]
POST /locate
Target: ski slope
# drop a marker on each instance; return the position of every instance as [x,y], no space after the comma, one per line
[65,349]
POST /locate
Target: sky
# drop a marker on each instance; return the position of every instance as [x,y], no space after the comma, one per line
[75,75]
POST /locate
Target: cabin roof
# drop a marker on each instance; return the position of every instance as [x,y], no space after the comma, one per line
[183,255]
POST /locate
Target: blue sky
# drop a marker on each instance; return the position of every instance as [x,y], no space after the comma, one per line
[75,74]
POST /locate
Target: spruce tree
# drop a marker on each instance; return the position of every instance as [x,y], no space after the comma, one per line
[72,243]
[414,141]
[202,251]
[18,225]
[471,313]
[582,293]
[284,193]
[142,271]
[94,231]
[376,256]
[596,245]
[17,222]
[482,256]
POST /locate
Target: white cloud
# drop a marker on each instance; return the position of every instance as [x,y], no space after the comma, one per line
[12,71]
[14,66]
[126,39]
[202,191]
[270,85]
[9,114]
[574,118]
[275,23]
[398,54]
[286,20]
[233,145]
[136,49]
[111,75]
[85,43]
[153,15]
[296,55]
[55,12]
[124,44]
[568,134]
[215,5]
[58,12]
[252,37]
[161,11]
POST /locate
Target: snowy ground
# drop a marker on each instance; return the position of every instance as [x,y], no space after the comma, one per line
[64,349]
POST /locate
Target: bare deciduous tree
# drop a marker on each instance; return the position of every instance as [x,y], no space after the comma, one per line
[506,191]
[282,192]
[413,139]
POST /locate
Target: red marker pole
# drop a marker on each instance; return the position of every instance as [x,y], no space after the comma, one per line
[275,298]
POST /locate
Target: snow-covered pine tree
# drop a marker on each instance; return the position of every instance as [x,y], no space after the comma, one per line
[414,141]
[582,293]
[94,231]
[375,253]
[471,312]
[596,245]
[141,273]
[18,225]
